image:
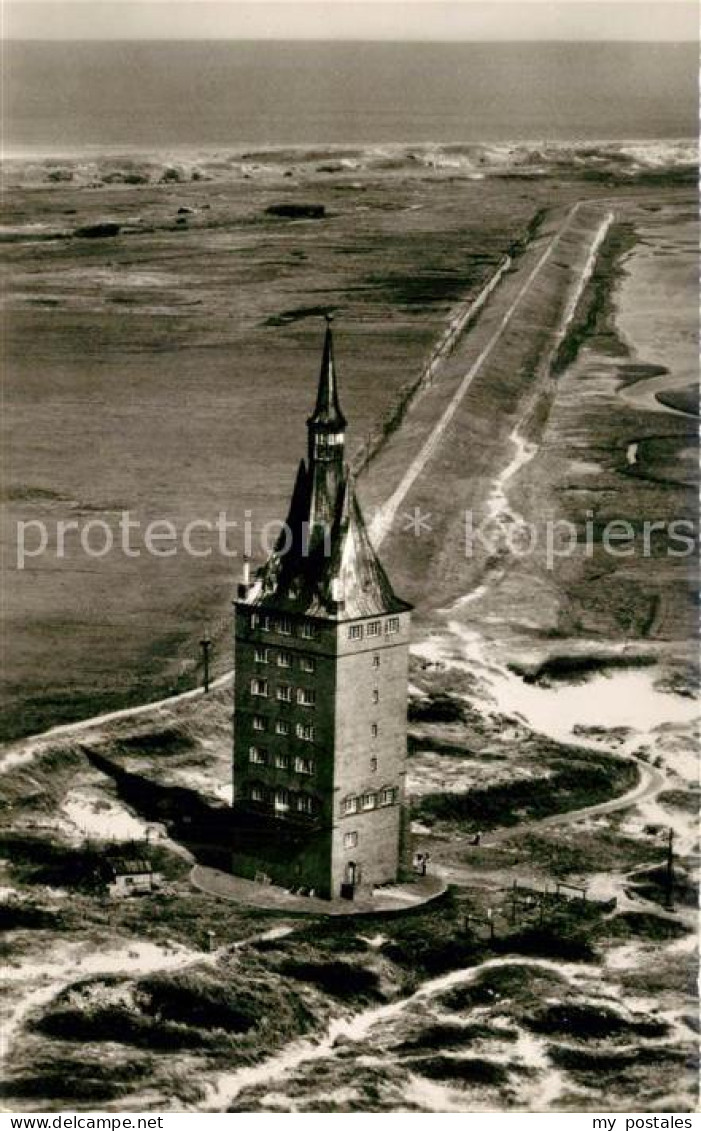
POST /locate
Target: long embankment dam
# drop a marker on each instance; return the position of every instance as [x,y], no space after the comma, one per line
[488,397]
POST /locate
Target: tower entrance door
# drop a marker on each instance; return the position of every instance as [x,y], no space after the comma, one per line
[351,878]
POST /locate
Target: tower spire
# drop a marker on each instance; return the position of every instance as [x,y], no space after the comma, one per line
[327,411]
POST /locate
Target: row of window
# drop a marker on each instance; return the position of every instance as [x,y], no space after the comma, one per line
[373,628]
[280,760]
[260,723]
[366,801]
[283,659]
[305,697]
[281,800]
[285,626]
[282,624]
[305,731]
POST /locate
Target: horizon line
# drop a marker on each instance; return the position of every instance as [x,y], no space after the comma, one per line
[341,39]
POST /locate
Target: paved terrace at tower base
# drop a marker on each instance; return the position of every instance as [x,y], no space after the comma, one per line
[392,899]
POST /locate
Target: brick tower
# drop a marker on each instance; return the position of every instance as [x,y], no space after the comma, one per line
[321,646]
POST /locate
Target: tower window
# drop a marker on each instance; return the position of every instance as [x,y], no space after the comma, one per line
[376,696]
[305,732]
[259,687]
[374,628]
[306,697]
[257,756]
[369,800]
[373,765]
[284,659]
[350,805]
[392,625]
[355,632]
[284,693]
[307,664]
[284,626]
[304,766]
[374,730]
[282,762]
[308,630]
[376,661]
[258,722]
[388,796]
[350,840]
[282,801]
[260,655]
[282,726]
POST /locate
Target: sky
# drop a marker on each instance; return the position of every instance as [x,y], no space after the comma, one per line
[486,20]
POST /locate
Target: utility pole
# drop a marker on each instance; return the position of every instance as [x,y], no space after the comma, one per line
[669,874]
[490,921]
[514,900]
[205,645]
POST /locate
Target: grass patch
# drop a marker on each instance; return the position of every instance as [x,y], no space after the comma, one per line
[195,1008]
[583,1062]
[41,784]
[339,979]
[439,708]
[595,312]
[467,1070]
[652,884]
[450,1035]
[585,779]
[577,851]
[578,668]
[433,948]
[587,1022]
[81,1078]
[507,983]
[565,941]
[644,925]
[27,917]
[682,799]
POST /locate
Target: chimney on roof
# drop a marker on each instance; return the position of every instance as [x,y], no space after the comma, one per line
[244,587]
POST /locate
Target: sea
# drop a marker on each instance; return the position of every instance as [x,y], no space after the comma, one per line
[145,95]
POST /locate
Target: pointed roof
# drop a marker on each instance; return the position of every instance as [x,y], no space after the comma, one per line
[363,585]
[327,410]
[339,578]
[324,564]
